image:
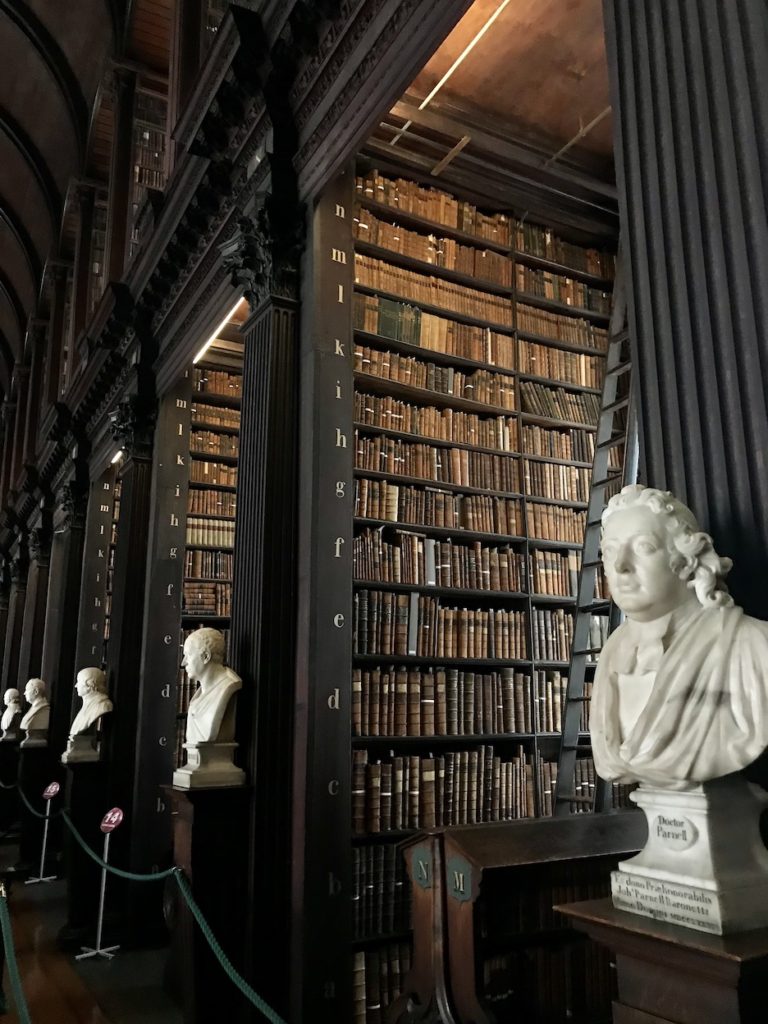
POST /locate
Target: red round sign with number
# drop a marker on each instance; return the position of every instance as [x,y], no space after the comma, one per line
[51,790]
[111,820]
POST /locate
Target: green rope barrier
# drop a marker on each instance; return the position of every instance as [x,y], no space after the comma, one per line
[10,959]
[37,814]
[13,785]
[153,876]
[239,982]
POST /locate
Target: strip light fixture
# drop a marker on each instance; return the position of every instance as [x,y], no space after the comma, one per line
[217,332]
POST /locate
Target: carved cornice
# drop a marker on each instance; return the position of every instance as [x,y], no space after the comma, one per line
[133,426]
[348,11]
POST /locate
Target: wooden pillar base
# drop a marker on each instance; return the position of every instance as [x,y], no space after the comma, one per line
[672,975]
[208,844]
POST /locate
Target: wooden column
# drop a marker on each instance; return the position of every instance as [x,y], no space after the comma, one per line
[9,422]
[21,374]
[123,85]
[58,667]
[86,200]
[56,332]
[263,622]
[691,132]
[36,598]
[14,625]
[38,331]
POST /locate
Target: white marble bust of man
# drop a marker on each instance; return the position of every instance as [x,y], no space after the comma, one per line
[211,714]
[12,701]
[681,689]
[39,713]
[91,685]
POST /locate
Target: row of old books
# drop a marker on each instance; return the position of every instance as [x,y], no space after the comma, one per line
[145,174]
[378,978]
[553,572]
[541,241]
[499,432]
[547,285]
[403,322]
[212,443]
[460,466]
[552,522]
[381,891]
[458,787]
[552,630]
[552,480]
[424,561]
[433,204]
[205,598]
[559,364]
[204,471]
[482,264]
[478,386]
[429,506]
[212,503]
[210,564]
[218,533]
[528,905]
[416,625]
[217,382]
[574,330]
[567,443]
[216,415]
[558,403]
[392,701]
[583,786]
[434,291]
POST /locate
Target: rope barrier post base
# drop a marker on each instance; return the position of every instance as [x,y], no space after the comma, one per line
[108,952]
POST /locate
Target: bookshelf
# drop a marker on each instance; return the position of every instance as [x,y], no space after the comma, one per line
[478,356]
[149,153]
[216,391]
[110,571]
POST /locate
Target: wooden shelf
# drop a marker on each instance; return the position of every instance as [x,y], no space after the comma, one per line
[426,588]
[550,382]
[605,284]
[477,284]
[209,547]
[549,421]
[440,311]
[226,460]
[213,398]
[216,428]
[428,354]
[556,462]
[393,388]
[207,579]
[201,486]
[384,210]
[448,532]
[436,484]
[416,660]
[440,442]
[562,308]
[558,343]
[200,617]
[211,516]
[464,739]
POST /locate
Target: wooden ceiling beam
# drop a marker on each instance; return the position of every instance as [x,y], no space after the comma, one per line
[56,62]
[34,159]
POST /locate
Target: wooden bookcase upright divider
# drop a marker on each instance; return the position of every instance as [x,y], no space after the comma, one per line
[478,348]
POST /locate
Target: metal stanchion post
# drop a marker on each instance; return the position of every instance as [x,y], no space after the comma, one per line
[48,794]
[109,823]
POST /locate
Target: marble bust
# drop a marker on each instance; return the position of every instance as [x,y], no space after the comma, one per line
[680,706]
[91,686]
[12,701]
[210,732]
[36,720]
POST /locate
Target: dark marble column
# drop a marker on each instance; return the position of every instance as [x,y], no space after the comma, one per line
[690,98]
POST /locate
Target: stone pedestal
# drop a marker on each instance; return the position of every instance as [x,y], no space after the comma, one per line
[209,765]
[669,975]
[81,749]
[12,734]
[35,738]
[705,865]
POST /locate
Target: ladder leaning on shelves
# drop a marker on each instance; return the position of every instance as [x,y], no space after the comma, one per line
[615,432]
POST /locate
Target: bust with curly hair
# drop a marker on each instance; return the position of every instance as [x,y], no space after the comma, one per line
[681,689]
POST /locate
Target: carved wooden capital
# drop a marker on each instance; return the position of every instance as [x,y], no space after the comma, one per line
[40,545]
[133,426]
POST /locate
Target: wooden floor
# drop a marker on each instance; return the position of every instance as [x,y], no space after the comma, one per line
[55,994]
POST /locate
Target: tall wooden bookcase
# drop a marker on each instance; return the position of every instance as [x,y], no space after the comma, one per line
[463,381]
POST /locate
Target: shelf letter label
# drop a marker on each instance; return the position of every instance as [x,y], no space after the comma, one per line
[340,485]
[178,491]
[337,543]
[333,700]
[159,806]
[338,620]
[341,294]
[341,439]
[339,350]
[166,691]
[338,389]
[459,882]
[167,639]
[106,487]
[181,403]
[104,508]
[163,741]
[338,255]
[174,519]
[169,592]
[340,211]
[334,885]
[333,787]
[422,872]
[179,460]
[173,552]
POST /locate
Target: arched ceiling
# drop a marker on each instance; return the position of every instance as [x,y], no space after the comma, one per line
[53,59]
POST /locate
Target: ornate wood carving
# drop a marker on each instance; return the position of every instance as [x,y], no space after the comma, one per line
[133,425]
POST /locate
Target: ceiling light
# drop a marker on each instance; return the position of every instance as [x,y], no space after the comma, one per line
[216,333]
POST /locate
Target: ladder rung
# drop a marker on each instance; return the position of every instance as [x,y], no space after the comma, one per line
[616,371]
[588,650]
[592,564]
[602,603]
[612,442]
[616,475]
[576,699]
[620,403]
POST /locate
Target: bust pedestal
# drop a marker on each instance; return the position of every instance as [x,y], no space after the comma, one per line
[209,844]
[35,738]
[671,975]
[705,865]
[209,765]
[82,748]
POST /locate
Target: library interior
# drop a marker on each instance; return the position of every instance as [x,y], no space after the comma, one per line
[379,381]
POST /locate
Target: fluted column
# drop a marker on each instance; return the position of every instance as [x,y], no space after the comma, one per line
[690,94]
